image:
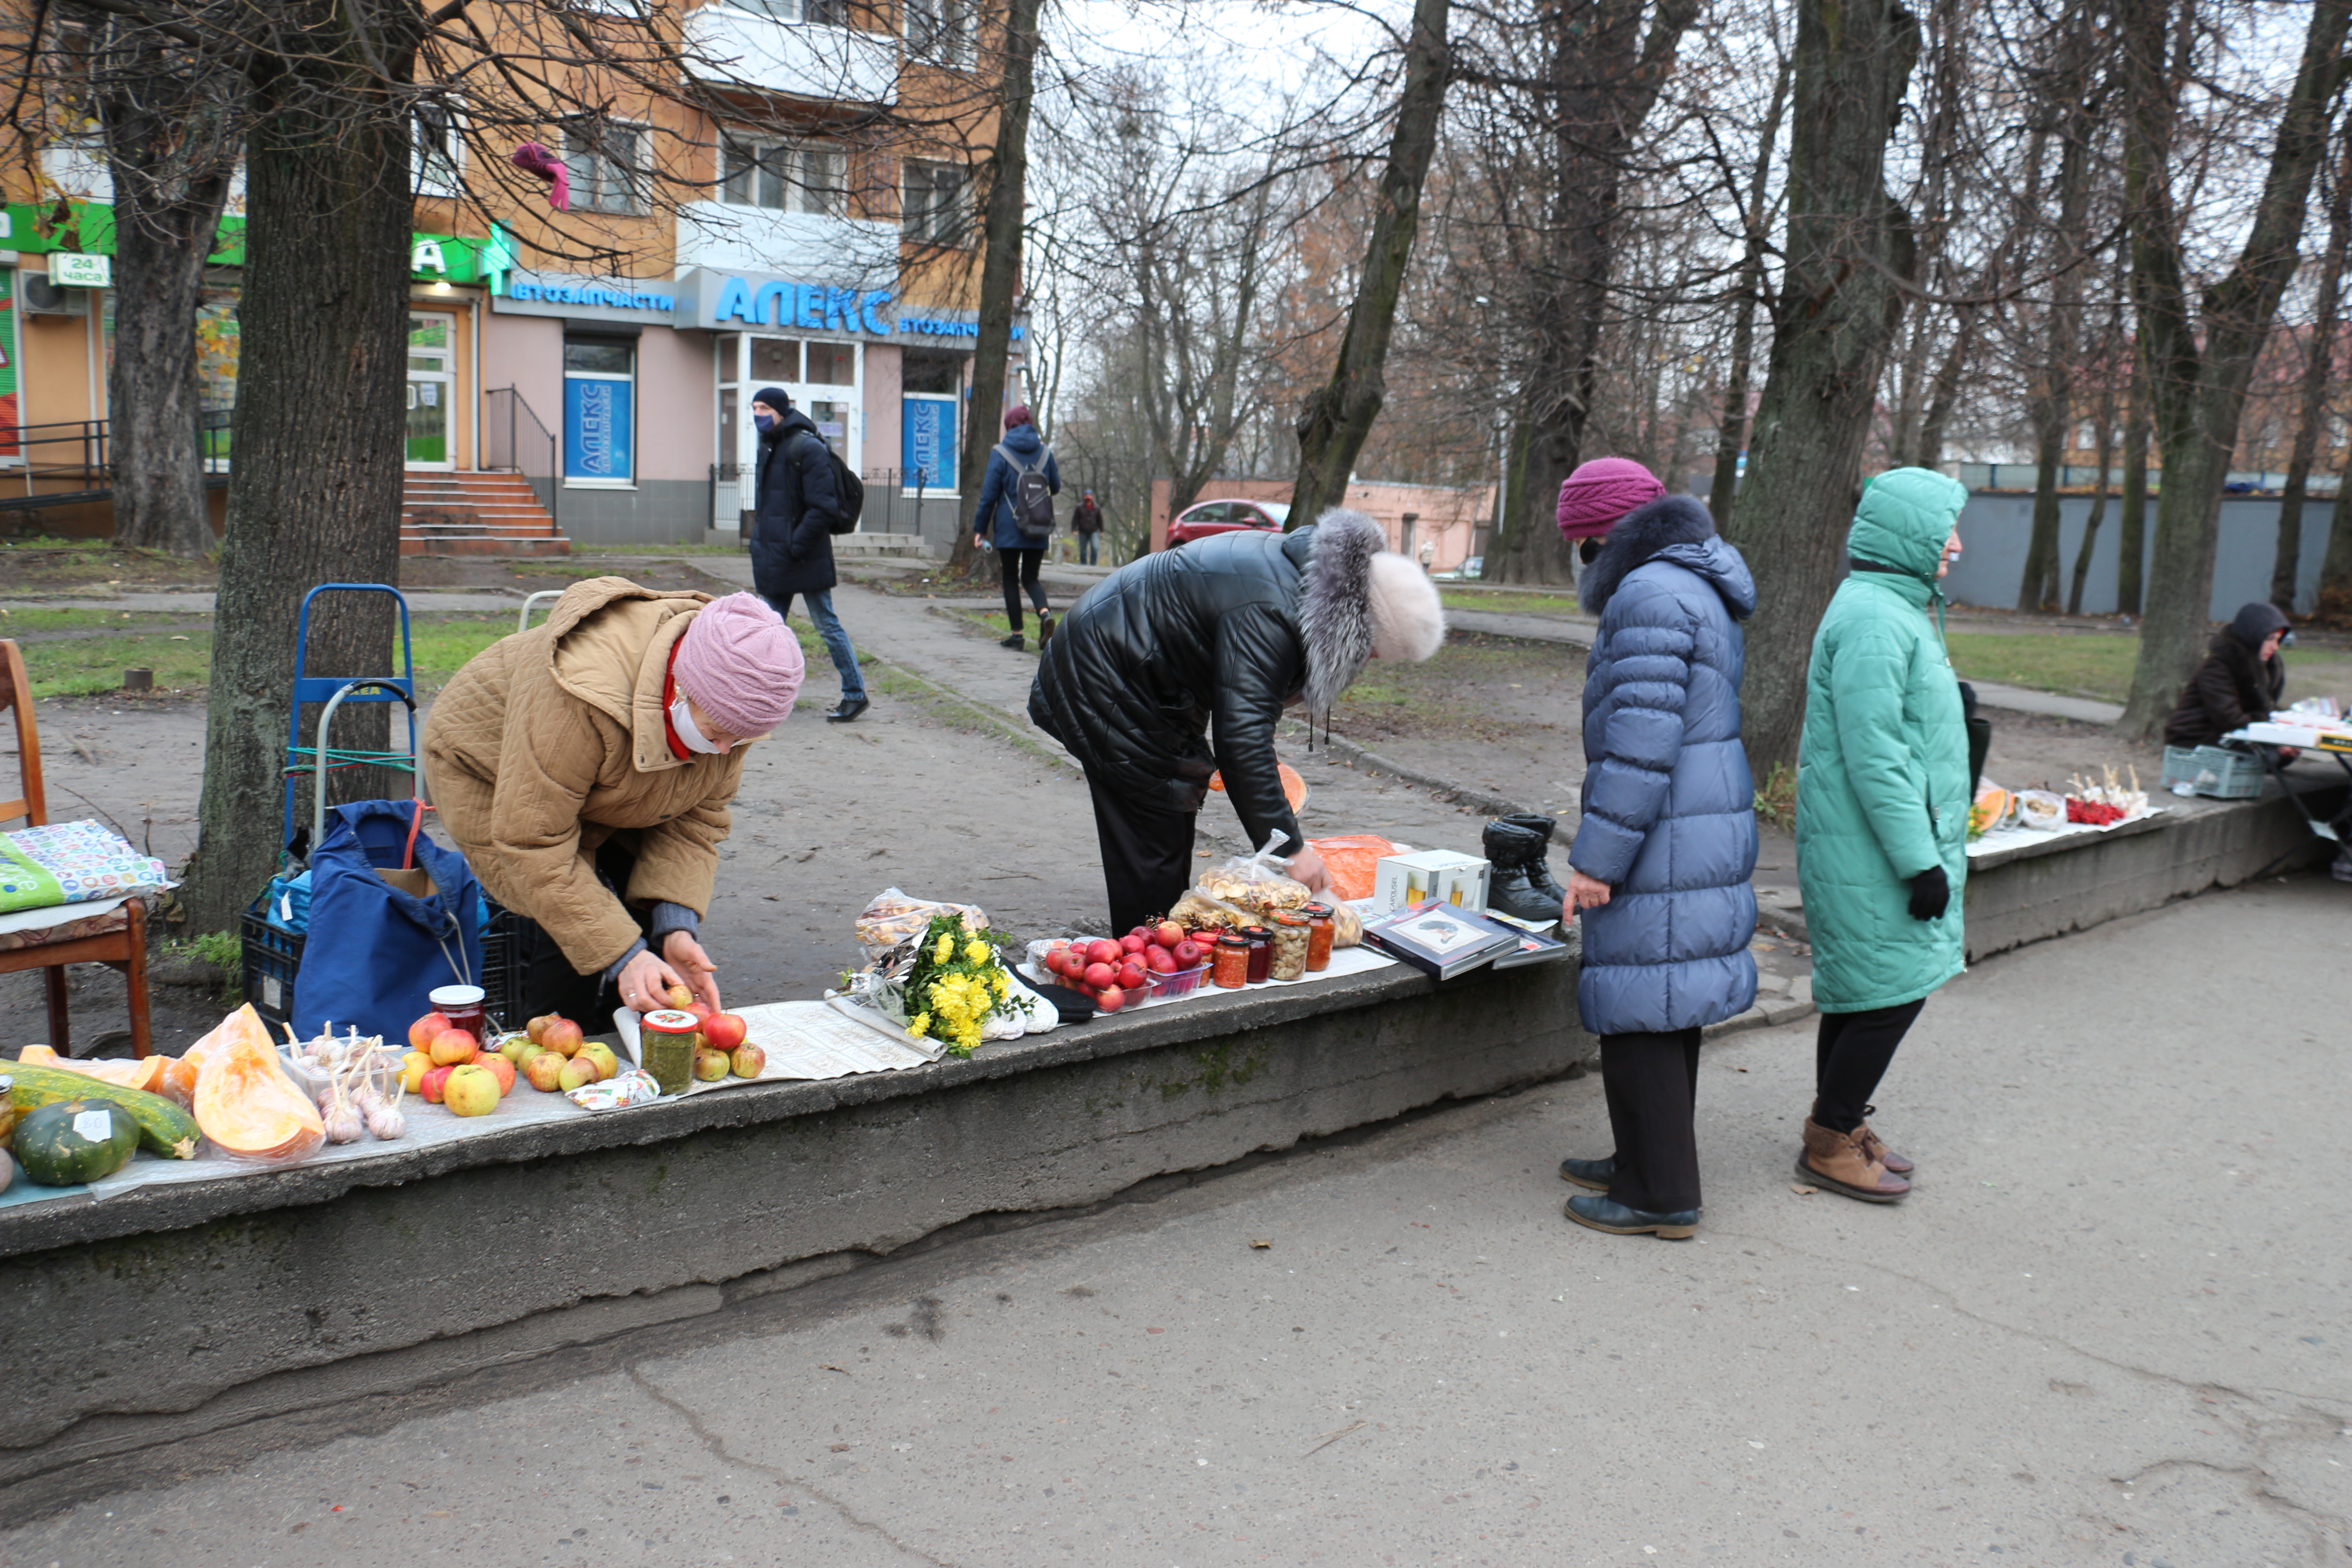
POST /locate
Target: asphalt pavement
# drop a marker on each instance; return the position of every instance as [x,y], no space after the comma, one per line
[2108,1328]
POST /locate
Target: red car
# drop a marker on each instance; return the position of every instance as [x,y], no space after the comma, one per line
[1203,519]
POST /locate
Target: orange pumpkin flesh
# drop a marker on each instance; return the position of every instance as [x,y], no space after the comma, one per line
[245,1101]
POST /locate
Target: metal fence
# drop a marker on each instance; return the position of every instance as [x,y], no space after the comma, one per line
[515,438]
[894,501]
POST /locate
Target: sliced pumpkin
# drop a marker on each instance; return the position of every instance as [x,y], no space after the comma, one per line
[245,1102]
[1294,788]
[146,1074]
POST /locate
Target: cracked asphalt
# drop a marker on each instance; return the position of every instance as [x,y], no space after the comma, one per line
[2109,1327]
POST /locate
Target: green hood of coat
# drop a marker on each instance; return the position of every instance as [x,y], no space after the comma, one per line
[1905,517]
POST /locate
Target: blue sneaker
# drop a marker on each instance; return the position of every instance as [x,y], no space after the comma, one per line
[1608,1214]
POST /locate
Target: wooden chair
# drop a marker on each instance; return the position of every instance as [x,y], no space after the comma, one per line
[117,939]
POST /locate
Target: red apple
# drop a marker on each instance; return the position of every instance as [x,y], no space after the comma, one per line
[564,1036]
[725,1031]
[1187,953]
[1131,974]
[1102,949]
[421,1033]
[1133,941]
[453,1048]
[747,1061]
[433,1083]
[1168,933]
[1100,974]
[701,1011]
[1160,961]
[1111,1000]
[545,1070]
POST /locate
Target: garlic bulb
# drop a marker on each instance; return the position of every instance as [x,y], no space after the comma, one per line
[386,1121]
[345,1125]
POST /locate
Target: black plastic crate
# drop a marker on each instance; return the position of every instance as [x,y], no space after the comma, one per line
[273,954]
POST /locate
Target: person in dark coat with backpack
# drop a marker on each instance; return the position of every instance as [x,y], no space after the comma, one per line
[1667,843]
[797,502]
[1000,519]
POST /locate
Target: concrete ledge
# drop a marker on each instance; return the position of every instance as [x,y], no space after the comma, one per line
[154,1317]
[2073,883]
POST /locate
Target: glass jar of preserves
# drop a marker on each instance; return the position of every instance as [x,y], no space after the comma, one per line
[462,1006]
[1229,963]
[1290,937]
[1261,951]
[1319,932]
[669,1038]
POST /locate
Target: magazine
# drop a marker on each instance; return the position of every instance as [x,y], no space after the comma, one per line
[1441,939]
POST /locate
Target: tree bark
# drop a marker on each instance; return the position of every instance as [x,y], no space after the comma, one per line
[999,267]
[2319,379]
[2053,401]
[2098,492]
[1606,76]
[2131,512]
[320,431]
[1339,415]
[171,118]
[2335,570]
[1838,311]
[2200,361]
[1732,438]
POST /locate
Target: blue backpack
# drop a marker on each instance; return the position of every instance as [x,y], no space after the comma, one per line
[380,938]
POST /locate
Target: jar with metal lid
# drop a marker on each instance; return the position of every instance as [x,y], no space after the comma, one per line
[1319,933]
[1229,963]
[669,1036]
[1261,951]
[1290,938]
[462,1006]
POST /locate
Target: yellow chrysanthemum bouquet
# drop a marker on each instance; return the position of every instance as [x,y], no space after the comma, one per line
[958,983]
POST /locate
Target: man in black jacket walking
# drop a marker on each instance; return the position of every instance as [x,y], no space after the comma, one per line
[795,504]
[1180,664]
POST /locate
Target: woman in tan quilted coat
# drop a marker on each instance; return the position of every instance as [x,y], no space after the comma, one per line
[585,768]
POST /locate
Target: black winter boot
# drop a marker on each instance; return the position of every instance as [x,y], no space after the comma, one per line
[1539,874]
[1510,849]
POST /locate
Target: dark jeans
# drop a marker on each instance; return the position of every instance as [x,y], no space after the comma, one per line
[550,984]
[1850,1055]
[1651,1082]
[1146,856]
[836,641]
[1086,548]
[1019,570]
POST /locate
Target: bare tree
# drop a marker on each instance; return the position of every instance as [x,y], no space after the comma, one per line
[1757,220]
[2318,376]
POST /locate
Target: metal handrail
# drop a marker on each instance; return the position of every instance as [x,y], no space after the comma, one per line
[519,409]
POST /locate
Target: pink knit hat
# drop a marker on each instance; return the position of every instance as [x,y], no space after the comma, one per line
[740,663]
[1593,497]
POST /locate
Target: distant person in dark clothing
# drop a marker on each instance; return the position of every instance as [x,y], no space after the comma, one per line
[2241,681]
[795,503]
[1087,522]
[996,520]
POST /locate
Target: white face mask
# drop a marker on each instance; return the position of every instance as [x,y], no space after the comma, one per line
[681,719]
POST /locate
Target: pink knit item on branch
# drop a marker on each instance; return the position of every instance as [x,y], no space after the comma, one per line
[532,158]
[1593,497]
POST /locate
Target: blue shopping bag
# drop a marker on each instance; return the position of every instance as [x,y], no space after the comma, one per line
[381,938]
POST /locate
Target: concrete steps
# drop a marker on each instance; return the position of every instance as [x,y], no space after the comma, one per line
[473,513]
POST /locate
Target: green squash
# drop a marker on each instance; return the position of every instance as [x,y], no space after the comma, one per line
[74,1141]
[167,1127]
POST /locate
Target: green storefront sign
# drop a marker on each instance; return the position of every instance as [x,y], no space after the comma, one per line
[89,227]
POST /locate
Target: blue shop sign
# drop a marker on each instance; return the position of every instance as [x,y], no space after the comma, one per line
[931,326]
[774,302]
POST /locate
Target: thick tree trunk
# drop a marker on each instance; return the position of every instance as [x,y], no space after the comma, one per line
[2201,362]
[999,268]
[2319,379]
[2098,508]
[2336,570]
[1339,415]
[1731,439]
[2131,511]
[1837,312]
[172,125]
[320,433]
[2038,590]
[1606,76]
[2053,406]
[1946,397]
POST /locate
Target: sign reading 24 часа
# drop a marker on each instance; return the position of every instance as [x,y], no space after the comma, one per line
[597,442]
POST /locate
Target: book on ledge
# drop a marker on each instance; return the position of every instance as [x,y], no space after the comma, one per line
[1534,948]
[1441,939]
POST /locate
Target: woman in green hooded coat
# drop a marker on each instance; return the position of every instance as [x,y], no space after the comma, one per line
[1883,792]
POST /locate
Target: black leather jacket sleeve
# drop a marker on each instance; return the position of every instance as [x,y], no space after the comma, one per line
[1259,666]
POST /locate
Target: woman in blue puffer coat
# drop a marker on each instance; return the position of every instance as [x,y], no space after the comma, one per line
[1666,844]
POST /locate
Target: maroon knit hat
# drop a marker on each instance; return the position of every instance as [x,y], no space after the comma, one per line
[1593,497]
[741,663]
[1018,414]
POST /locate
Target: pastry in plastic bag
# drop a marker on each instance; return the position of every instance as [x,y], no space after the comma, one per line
[895,916]
[1255,882]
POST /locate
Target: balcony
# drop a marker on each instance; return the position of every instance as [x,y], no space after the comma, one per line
[843,250]
[765,45]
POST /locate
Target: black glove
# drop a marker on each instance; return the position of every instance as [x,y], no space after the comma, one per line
[1931,894]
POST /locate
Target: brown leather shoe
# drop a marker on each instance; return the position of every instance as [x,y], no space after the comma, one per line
[1837,1161]
[1875,1147]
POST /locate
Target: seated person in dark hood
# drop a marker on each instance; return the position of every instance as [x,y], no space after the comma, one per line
[2241,681]
[1180,665]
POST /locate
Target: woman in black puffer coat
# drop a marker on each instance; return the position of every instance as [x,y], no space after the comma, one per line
[1180,664]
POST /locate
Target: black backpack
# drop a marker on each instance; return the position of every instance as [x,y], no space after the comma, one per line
[847,487]
[1032,497]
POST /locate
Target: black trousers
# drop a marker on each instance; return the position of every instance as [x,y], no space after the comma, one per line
[550,984]
[1651,1082]
[1851,1054]
[1018,569]
[1146,856]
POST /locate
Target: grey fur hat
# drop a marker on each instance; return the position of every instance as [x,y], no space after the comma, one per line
[1355,601]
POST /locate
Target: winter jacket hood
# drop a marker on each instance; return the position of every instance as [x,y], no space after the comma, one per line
[1905,516]
[2233,687]
[993,519]
[1669,818]
[548,743]
[2255,621]
[1180,665]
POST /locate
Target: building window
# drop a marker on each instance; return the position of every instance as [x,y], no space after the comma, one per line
[783,177]
[821,13]
[937,203]
[941,31]
[600,388]
[605,159]
[437,149]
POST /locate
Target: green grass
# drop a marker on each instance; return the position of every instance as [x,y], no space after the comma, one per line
[183,661]
[663,549]
[17,622]
[1508,604]
[993,623]
[43,542]
[2100,664]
